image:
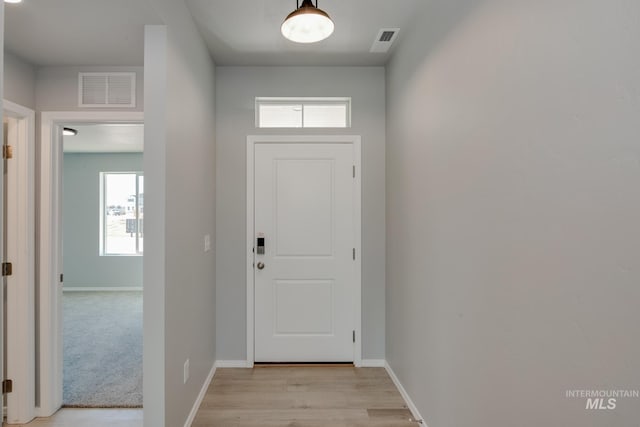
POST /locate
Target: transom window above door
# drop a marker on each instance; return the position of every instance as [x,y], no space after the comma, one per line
[278,112]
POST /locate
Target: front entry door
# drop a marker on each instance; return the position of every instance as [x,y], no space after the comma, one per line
[305,277]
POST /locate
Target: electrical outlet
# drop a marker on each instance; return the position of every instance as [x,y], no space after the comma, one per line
[207,242]
[186,371]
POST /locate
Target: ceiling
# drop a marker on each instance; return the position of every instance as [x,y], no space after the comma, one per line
[105,138]
[247,32]
[78,32]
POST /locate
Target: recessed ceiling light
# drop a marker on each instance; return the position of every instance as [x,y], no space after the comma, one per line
[307,24]
[68,131]
[13,1]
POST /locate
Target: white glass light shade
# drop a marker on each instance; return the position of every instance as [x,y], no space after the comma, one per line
[307,25]
[12,1]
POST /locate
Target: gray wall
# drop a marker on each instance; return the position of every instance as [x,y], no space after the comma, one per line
[57,88]
[83,265]
[179,164]
[19,81]
[155,136]
[512,208]
[237,88]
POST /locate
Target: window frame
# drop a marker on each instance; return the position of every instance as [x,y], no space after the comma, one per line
[303,101]
[102,250]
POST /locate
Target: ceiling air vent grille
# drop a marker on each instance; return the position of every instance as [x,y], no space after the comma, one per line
[384,40]
[386,36]
[107,89]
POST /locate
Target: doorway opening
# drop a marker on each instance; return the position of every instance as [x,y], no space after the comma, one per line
[103,246]
[53,222]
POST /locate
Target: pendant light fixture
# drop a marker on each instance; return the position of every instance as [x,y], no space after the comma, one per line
[307,24]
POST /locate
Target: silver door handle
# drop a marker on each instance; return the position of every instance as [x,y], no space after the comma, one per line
[260,265]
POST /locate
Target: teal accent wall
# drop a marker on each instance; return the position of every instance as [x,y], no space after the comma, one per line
[83,265]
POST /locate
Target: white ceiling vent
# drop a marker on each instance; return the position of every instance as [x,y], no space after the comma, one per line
[107,89]
[384,40]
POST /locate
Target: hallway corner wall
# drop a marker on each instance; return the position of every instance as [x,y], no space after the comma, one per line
[512,211]
[237,88]
[179,164]
[19,81]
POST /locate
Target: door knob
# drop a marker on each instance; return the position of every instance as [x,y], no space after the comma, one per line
[260,265]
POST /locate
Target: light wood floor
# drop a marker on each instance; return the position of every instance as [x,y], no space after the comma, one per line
[90,418]
[303,397]
[333,396]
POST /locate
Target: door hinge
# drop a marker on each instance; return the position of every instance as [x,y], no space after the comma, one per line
[354,254]
[61,278]
[354,336]
[7,269]
[354,171]
[7,386]
[7,152]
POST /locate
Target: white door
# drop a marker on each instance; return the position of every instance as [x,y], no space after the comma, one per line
[18,249]
[305,281]
[3,250]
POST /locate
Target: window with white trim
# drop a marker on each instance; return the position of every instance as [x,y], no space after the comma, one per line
[122,213]
[328,112]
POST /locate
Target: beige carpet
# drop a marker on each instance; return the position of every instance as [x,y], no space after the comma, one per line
[102,349]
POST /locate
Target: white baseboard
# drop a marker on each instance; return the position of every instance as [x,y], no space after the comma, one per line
[373,363]
[232,364]
[102,289]
[203,392]
[405,395]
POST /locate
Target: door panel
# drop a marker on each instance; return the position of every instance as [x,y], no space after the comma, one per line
[303,307]
[304,294]
[304,208]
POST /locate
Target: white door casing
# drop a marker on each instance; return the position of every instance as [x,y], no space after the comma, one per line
[304,198]
[20,252]
[50,246]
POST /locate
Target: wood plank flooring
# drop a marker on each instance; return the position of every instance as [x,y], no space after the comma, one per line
[90,418]
[291,396]
[339,396]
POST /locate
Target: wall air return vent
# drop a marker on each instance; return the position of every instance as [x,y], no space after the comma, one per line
[384,40]
[107,90]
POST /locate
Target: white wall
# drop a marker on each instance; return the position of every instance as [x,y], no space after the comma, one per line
[237,88]
[179,163]
[19,81]
[57,87]
[512,206]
